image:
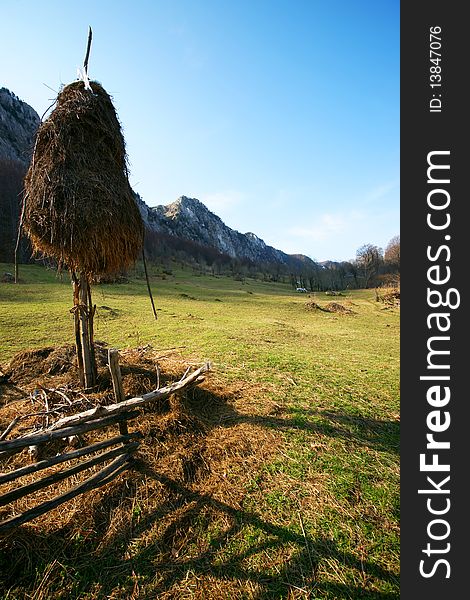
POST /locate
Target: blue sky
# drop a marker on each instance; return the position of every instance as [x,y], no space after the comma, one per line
[281,116]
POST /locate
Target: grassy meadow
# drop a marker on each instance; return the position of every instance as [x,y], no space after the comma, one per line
[297,486]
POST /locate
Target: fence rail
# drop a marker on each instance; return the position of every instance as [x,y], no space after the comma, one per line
[94,419]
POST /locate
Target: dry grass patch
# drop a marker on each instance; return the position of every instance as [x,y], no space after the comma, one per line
[182,506]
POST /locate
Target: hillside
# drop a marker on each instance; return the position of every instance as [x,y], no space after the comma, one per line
[18,125]
[189,219]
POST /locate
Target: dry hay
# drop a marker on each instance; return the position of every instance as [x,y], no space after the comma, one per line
[331,307]
[184,432]
[187,501]
[54,370]
[312,305]
[79,206]
[335,307]
[197,455]
[389,296]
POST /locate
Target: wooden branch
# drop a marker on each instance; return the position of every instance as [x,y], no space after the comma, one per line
[76,321]
[60,393]
[148,282]
[60,458]
[9,428]
[114,409]
[115,370]
[48,435]
[85,334]
[157,368]
[91,316]
[46,404]
[185,373]
[104,476]
[24,490]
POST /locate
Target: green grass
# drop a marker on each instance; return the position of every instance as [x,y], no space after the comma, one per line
[320,518]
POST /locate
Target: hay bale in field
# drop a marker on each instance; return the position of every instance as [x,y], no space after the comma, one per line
[80,208]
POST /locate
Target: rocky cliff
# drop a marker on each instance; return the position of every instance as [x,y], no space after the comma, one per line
[18,125]
[190,219]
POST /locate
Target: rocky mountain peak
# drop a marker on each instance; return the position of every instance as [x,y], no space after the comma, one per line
[185,207]
[255,239]
[190,219]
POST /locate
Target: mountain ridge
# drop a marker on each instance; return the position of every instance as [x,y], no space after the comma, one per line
[190,219]
[186,218]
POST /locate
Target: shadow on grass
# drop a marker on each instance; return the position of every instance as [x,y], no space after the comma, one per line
[158,562]
[164,550]
[376,434]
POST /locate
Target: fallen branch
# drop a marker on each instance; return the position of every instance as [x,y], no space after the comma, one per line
[120,407]
[56,477]
[9,428]
[60,458]
[102,420]
[120,464]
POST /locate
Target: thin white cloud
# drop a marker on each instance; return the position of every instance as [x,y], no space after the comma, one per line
[224,200]
[327,225]
[381,191]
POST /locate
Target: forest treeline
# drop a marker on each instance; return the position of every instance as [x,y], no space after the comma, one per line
[371,267]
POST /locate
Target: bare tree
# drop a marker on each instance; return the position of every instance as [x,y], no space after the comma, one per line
[392,253]
[369,259]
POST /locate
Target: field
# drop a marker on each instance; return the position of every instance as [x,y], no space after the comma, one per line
[291,488]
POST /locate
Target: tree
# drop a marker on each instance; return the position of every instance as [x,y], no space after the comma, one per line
[392,254]
[369,259]
[11,186]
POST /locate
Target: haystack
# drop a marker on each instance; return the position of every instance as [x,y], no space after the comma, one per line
[80,208]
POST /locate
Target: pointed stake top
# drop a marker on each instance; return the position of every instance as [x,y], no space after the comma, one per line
[88,48]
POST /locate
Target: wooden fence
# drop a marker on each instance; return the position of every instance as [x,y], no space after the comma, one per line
[118,449]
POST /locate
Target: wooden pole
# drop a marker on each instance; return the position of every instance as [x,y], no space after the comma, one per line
[148,283]
[115,370]
[91,316]
[86,334]
[76,320]
[88,48]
